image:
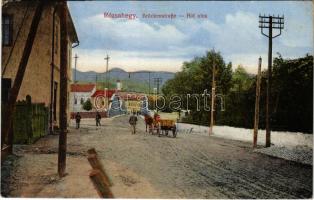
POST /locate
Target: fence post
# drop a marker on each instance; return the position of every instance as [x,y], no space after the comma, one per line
[29,117]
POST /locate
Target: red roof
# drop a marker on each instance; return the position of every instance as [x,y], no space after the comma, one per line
[82,88]
[109,93]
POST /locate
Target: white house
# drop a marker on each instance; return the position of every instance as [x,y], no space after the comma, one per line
[79,94]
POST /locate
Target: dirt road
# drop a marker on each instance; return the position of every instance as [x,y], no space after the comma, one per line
[147,166]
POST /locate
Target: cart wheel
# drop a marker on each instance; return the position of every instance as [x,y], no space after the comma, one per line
[174,132]
[159,132]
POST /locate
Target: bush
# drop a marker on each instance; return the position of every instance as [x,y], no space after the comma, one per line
[87,105]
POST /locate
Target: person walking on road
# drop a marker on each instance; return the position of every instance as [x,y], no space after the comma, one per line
[78,120]
[132,121]
[98,118]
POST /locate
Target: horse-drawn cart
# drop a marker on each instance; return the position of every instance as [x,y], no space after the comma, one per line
[167,125]
[161,126]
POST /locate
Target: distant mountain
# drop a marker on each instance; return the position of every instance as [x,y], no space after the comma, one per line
[118,73]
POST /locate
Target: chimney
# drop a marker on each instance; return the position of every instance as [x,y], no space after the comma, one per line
[119,85]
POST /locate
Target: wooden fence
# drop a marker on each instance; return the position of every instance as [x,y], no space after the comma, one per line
[30,121]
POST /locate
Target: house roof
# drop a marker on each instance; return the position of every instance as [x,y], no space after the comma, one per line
[82,88]
[108,94]
[72,30]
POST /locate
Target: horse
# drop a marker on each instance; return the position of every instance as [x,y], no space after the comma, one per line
[149,122]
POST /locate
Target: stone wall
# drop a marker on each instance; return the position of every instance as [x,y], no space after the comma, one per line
[89,114]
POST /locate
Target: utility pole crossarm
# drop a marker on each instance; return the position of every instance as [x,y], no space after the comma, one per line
[267,22]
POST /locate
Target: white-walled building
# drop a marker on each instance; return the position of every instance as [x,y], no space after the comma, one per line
[79,94]
[119,85]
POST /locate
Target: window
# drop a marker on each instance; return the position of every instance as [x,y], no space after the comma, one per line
[7,30]
[75,100]
[82,100]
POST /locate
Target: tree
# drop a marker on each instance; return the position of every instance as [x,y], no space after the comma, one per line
[194,78]
[292,96]
[239,101]
[87,105]
[292,92]
[241,80]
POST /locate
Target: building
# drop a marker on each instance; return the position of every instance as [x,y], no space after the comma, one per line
[79,94]
[132,101]
[101,99]
[42,75]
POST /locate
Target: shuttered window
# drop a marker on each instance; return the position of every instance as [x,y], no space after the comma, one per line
[7,30]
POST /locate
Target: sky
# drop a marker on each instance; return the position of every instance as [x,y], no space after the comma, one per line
[231,28]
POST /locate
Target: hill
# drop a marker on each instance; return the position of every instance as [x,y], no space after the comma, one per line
[136,81]
[117,73]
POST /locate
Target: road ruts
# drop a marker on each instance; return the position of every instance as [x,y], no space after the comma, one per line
[194,166]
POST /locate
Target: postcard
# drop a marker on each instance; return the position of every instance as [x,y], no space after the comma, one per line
[157,99]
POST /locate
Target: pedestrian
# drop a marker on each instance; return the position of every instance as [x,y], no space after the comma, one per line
[78,120]
[98,118]
[132,121]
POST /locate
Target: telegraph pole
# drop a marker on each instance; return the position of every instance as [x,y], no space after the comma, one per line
[96,81]
[148,83]
[63,89]
[107,65]
[270,23]
[107,81]
[148,78]
[257,97]
[75,61]
[212,109]
[157,82]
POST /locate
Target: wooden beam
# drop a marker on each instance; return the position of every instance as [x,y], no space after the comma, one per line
[101,187]
[92,151]
[97,165]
